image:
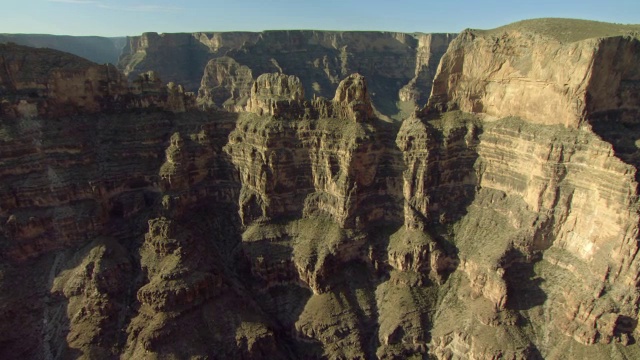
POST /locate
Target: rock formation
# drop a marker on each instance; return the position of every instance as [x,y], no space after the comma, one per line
[399,67]
[500,221]
[274,94]
[352,99]
[225,84]
[47,83]
[557,226]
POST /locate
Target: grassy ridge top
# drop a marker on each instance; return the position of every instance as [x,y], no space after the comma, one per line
[567,30]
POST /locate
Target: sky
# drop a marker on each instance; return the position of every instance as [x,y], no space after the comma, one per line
[133,17]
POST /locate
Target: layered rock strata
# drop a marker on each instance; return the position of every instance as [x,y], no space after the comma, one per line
[275,94]
[547,224]
[321,155]
[80,193]
[225,84]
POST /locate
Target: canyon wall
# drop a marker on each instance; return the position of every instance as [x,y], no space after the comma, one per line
[400,67]
[500,221]
[556,204]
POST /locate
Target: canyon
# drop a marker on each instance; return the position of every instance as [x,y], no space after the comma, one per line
[312,194]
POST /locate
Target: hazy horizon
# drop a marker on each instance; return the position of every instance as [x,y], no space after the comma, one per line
[117,18]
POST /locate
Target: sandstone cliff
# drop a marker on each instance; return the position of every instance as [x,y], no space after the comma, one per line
[137,225]
[540,222]
[522,70]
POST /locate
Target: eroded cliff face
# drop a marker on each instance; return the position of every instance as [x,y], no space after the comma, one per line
[555,205]
[400,67]
[320,198]
[297,227]
[297,157]
[521,70]
[62,79]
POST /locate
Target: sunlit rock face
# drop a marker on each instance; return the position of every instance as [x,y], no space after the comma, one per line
[551,173]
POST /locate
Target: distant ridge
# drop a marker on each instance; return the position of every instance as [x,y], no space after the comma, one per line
[98,49]
[570,30]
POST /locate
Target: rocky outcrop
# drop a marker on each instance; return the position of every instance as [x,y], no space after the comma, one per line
[186,286]
[94,284]
[225,84]
[282,96]
[399,67]
[275,94]
[308,158]
[352,99]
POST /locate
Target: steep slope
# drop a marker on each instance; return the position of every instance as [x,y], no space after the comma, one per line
[549,238]
[321,195]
